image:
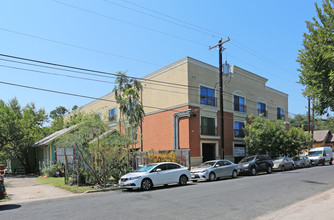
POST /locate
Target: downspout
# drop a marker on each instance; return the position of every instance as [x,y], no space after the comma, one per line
[176,117]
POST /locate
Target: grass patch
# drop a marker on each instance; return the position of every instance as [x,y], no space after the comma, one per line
[60,183]
[6,199]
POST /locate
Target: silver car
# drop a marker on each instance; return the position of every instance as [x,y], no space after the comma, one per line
[211,170]
[302,161]
[283,163]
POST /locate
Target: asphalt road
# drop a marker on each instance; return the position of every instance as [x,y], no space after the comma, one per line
[246,197]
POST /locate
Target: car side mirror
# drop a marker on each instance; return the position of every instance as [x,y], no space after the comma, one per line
[217,165]
[324,154]
[158,170]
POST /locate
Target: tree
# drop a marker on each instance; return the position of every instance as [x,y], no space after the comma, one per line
[127,95]
[101,150]
[317,59]
[268,136]
[21,129]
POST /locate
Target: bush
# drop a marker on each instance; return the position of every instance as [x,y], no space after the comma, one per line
[51,171]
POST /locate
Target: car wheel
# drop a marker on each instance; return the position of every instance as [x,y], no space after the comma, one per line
[331,161]
[183,180]
[146,184]
[269,169]
[292,167]
[253,171]
[324,163]
[303,166]
[234,174]
[212,176]
[282,168]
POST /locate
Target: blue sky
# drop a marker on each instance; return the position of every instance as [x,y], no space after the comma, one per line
[136,36]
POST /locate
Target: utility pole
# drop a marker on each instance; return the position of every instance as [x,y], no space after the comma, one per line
[221,103]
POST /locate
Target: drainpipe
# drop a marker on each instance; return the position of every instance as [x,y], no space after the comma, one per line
[176,117]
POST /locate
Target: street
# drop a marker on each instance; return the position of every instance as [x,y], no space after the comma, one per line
[245,197]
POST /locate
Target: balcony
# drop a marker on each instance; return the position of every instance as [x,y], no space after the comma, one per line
[261,111]
[208,130]
[238,133]
[280,117]
[209,100]
[240,107]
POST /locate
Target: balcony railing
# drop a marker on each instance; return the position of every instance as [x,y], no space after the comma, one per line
[239,133]
[208,100]
[279,116]
[240,107]
[264,112]
[208,130]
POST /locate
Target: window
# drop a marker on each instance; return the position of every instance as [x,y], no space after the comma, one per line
[238,129]
[239,104]
[207,96]
[280,113]
[173,166]
[226,163]
[261,109]
[98,115]
[112,115]
[208,126]
[162,167]
[220,163]
[62,152]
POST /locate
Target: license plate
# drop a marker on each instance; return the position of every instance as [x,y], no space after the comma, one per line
[192,176]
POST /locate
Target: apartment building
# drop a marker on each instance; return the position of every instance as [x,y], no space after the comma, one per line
[181,110]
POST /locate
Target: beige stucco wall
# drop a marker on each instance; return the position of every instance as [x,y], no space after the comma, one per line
[243,83]
[157,96]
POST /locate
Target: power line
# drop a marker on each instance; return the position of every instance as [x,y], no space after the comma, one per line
[96,71]
[242,46]
[130,23]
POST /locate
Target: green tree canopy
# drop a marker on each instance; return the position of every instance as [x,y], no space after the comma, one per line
[21,128]
[317,59]
[268,136]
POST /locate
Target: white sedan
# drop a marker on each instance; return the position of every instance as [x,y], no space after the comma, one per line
[155,174]
[211,170]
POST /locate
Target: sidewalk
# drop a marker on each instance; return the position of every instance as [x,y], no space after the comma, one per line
[26,189]
[320,206]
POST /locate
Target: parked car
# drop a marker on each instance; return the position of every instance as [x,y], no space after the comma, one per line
[302,161]
[253,164]
[321,155]
[211,170]
[283,163]
[2,188]
[155,174]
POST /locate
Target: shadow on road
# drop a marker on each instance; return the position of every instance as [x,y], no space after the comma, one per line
[9,207]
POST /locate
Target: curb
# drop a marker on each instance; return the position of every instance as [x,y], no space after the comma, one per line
[102,190]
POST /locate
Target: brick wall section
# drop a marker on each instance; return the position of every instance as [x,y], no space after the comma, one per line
[158,130]
[228,132]
[194,133]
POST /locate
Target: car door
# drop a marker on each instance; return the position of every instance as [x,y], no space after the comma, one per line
[261,163]
[174,173]
[219,168]
[228,168]
[159,177]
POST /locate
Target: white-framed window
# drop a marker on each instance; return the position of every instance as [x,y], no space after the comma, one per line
[112,115]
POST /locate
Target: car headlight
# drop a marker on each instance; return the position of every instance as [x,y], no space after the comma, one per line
[134,178]
[204,171]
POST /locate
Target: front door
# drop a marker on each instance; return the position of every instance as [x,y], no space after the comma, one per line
[208,151]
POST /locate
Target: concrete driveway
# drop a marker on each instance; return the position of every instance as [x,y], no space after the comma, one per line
[26,189]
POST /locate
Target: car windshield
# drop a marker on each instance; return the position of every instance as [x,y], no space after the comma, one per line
[297,158]
[207,164]
[146,168]
[246,159]
[315,153]
[278,159]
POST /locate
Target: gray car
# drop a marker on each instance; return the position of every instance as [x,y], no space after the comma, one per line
[211,170]
[302,161]
[283,163]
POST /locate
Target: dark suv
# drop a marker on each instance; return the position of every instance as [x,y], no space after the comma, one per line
[253,164]
[2,188]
